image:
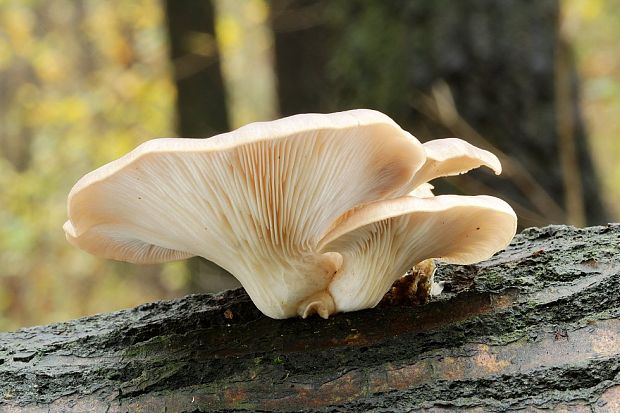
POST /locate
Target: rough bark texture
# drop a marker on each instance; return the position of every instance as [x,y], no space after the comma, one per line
[534,327]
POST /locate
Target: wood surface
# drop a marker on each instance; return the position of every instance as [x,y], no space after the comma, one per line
[536,327]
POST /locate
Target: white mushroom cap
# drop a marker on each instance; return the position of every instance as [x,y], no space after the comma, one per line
[379,242]
[453,156]
[256,201]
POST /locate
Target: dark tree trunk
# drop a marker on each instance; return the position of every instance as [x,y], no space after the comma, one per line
[495,73]
[201,105]
[535,327]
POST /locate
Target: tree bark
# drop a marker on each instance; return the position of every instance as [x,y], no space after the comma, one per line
[535,327]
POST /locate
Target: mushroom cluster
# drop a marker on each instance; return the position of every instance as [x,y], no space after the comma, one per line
[313,213]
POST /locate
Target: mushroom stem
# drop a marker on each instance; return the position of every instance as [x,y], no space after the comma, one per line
[321,303]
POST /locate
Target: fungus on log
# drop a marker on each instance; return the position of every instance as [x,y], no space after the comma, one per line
[535,327]
[314,213]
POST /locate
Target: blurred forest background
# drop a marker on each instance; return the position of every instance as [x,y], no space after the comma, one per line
[84,82]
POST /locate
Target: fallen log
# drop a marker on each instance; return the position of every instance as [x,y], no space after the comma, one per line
[535,327]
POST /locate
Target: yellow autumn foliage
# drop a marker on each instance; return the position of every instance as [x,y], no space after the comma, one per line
[81,84]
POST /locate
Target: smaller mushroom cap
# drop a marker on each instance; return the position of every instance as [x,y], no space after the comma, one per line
[380,241]
[453,156]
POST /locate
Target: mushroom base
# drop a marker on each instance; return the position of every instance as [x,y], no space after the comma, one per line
[414,288]
[321,303]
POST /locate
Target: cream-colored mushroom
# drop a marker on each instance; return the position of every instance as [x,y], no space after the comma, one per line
[312,213]
[382,240]
[453,156]
[256,201]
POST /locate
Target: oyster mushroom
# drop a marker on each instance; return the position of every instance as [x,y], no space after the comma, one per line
[311,213]
[384,239]
[255,201]
[453,156]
